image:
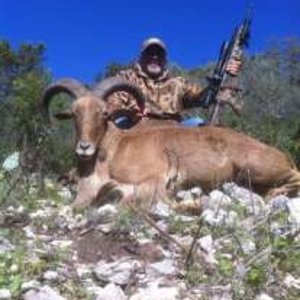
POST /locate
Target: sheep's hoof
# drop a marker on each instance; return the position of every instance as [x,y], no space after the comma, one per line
[193,207]
[276,192]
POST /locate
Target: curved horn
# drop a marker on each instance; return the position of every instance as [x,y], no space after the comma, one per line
[70,86]
[114,84]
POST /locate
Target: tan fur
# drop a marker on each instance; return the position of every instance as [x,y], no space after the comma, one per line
[152,161]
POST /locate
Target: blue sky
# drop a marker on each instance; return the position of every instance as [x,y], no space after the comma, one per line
[82,37]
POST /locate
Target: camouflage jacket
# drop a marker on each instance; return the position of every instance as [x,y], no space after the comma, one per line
[167,93]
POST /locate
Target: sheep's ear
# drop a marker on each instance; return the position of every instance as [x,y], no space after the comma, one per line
[67,114]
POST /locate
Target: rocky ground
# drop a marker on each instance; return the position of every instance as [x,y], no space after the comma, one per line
[239,247]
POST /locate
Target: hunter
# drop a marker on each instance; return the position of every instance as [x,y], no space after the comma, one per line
[167,94]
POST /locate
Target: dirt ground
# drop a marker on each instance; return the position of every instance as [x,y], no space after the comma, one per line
[94,246]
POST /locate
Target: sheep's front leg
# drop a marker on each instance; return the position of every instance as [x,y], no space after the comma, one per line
[87,191]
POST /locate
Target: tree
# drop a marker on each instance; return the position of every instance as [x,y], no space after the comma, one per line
[22,79]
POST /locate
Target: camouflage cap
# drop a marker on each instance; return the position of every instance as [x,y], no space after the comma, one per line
[153,41]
